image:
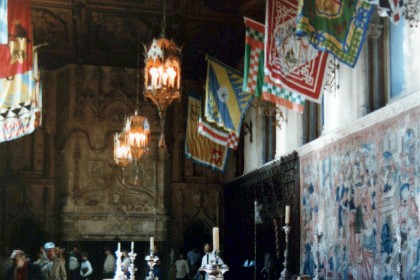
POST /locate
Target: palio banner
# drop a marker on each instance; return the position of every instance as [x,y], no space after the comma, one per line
[16,54]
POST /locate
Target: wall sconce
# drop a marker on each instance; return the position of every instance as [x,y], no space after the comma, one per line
[270,110]
[248,129]
[331,85]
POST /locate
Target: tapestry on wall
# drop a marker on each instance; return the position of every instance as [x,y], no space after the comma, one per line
[367,186]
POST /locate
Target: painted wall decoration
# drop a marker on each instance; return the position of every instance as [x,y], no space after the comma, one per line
[358,195]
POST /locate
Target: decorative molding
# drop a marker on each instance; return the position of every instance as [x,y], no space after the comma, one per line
[109,32]
[52,27]
[396,107]
[118,32]
[266,171]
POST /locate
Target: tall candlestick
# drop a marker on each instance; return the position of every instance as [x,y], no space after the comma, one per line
[119,274]
[216,246]
[285,273]
[132,246]
[287,217]
[152,245]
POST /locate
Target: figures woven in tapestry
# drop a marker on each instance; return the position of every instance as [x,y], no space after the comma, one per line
[359,195]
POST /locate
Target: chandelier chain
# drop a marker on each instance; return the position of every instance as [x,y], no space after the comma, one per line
[163,24]
[138,77]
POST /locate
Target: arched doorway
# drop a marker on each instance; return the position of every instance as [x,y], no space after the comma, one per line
[196,235]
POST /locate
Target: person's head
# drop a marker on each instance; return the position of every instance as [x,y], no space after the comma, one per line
[207,247]
[75,249]
[50,250]
[59,251]
[181,256]
[84,255]
[125,252]
[18,257]
[107,251]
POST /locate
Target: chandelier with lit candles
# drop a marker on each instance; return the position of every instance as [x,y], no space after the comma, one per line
[162,74]
[133,141]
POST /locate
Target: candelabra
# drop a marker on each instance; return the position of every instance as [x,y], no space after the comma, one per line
[132,268]
[216,269]
[119,275]
[285,272]
[398,237]
[151,262]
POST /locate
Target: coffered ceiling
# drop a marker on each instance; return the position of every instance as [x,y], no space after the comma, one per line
[112,32]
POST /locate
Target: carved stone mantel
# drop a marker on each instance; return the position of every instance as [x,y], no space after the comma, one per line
[103,200]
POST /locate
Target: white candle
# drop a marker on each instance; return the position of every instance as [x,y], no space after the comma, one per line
[172,75]
[287,217]
[165,78]
[119,247]
[155,75]
[216,246]
[152,245]
[132,246]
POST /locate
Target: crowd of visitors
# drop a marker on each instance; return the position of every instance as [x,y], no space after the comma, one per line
[51,264]
[54,263]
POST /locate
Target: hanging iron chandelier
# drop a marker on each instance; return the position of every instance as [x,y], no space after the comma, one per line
[133,142]
[162,74]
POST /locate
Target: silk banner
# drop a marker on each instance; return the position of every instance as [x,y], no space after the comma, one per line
[16,54]
[226,102]
[199,148]
[291,62]
[338,27]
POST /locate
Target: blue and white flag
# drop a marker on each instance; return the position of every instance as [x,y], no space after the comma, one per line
[226,102]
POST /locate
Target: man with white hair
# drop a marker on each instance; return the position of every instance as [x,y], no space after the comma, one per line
[22,269]
[54,269]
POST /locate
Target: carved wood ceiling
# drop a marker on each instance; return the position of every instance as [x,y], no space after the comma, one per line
[110,32]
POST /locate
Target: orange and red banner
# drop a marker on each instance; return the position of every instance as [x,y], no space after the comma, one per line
[199,148]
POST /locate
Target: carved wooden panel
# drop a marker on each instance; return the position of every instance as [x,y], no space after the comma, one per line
[265,193]
[53,26]
[194,203]
[109,32]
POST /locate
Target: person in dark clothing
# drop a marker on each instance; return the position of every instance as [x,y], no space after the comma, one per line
[22,269]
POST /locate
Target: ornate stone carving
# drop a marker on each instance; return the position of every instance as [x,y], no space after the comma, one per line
[192,203]
[118,33]
[52,27]
[102,196]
